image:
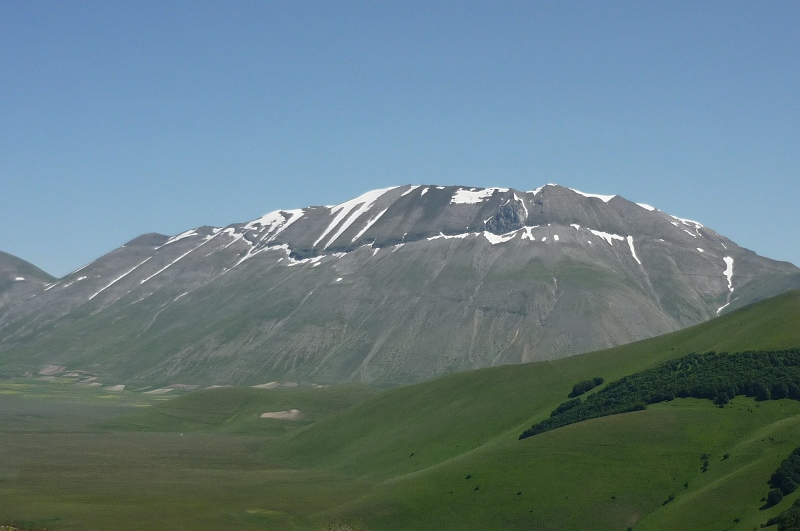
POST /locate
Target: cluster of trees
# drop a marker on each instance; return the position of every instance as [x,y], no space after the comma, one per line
[785,479]
[585,386]
[770,375]
[788,520]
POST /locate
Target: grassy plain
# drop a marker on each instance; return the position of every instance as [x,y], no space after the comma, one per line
[441,454]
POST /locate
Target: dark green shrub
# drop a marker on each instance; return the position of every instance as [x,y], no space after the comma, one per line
[566,406]
[774,498]
[584,386]
[788,520]
[787,476]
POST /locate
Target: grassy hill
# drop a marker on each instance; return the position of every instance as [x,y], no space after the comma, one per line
[440,454]
[449,416]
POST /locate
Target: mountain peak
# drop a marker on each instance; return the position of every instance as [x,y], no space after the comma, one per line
[398,284]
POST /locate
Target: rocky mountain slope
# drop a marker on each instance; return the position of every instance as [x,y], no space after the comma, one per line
[397,285]
[19,280]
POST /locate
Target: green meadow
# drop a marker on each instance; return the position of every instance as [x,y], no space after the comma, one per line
[441,454]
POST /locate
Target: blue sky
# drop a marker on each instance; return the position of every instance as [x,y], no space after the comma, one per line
[121,118]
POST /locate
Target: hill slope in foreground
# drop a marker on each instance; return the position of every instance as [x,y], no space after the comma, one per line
[441,454]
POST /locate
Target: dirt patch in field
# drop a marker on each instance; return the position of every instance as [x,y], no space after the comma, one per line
[173,387]
[276,385]
[50,370]
[159,391]
[292,414]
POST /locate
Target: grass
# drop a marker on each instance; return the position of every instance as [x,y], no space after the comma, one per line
[441,454]
[238,410]
[602,474]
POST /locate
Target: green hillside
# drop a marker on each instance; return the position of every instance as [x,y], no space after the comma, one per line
[446,417]
[441,454]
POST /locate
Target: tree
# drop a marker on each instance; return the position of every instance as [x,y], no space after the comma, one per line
[774,498]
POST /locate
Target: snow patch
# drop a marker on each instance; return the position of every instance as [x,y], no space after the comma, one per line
[729,272]
[473,195]
[424,192]
[120,278]
[537,190]
[314,260]
[234,240]
[414,187]
[349,211]
[448,237]
[82,267]
[186,234]
[606,236]
[177,259]
[723,307]
[646,206]
[528,233]
[555,237]
[523,206]
[604,198]
[633,251]
[494,239]
[275,222]
[370,223]
[68,284]
[251,252]
[339,279]
[699,249]
[688,222]
[690,234]
[19,279]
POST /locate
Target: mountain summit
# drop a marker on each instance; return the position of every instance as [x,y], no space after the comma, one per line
[397,285]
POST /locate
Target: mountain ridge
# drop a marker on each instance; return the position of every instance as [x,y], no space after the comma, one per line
[396,285]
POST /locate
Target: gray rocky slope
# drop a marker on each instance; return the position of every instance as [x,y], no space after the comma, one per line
[19,280]
[397,285]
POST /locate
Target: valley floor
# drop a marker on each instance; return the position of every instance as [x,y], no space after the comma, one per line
[442,454]
[68,462]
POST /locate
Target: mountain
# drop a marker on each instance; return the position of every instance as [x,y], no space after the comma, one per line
[397,285]
[19,280]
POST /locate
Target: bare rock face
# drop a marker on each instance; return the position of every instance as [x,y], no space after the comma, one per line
[508,218]
[395,286]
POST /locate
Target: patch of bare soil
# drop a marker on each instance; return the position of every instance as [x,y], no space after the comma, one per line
[292,414]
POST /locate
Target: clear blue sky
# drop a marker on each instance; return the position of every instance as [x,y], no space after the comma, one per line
[121,118]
